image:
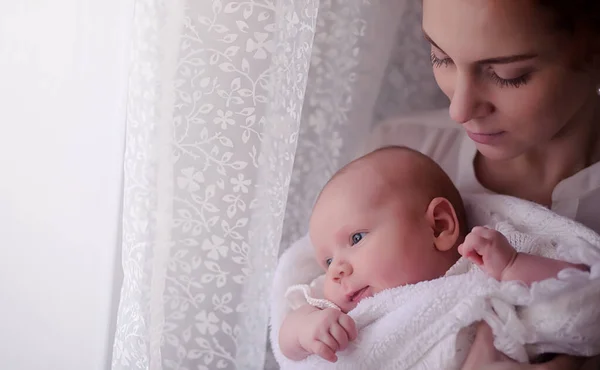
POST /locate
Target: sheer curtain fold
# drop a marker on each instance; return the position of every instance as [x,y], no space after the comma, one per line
[238,111]
[353,43]
[216,89]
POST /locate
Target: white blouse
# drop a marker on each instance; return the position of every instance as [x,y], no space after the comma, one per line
[436,135]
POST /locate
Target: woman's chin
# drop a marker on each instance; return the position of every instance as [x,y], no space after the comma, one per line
[497,153]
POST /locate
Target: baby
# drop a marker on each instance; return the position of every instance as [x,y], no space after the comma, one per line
[388,219]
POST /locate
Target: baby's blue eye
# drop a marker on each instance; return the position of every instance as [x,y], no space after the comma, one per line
[328,261]
[357,237]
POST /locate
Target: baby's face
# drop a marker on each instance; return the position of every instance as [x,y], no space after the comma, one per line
[369,238]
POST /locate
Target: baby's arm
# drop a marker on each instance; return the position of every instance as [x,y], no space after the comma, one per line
[490,250]
[529,268]
[309,330]
[289,341]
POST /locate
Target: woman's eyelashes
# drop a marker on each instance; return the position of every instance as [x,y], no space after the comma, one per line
[439,62]
[501,82]
[510,82]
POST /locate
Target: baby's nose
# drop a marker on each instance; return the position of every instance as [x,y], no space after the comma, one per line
[340,270]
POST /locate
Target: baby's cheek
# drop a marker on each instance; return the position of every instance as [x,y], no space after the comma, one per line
[391,278]
[327,290]
[331,292]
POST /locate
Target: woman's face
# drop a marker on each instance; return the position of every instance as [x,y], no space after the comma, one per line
[510,76]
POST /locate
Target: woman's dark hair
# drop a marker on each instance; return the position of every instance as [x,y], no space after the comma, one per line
[572,14]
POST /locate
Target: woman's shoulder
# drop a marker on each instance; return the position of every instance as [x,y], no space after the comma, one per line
[431,133]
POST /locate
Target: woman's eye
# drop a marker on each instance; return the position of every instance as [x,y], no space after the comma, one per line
[328,261]
[510,82]
[357,237]
[439,62]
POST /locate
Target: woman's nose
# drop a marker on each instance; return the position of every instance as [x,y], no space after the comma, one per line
[467,102]
[340,270]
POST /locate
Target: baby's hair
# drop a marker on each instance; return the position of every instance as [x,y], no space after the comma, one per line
[436,182]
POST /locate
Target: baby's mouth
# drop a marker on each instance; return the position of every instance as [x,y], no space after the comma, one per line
[359,295]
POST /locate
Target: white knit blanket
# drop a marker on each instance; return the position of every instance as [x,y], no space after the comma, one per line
[429,325]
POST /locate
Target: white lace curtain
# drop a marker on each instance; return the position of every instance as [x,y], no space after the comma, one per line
[232,106]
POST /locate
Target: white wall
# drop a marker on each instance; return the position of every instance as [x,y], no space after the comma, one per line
[63,66]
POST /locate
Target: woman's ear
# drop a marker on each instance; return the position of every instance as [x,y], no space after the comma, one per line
[444,223]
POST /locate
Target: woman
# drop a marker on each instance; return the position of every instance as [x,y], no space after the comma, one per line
[523,78]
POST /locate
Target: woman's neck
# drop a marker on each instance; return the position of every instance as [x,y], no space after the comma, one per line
[535,174]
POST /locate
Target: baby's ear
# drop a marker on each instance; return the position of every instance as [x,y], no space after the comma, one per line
[444,223]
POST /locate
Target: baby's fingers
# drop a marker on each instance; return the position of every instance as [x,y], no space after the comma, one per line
[340,335]
[477,242]
[349,325]
[469,251]
[464,249]
[327,339]
[484,232]
[322,350]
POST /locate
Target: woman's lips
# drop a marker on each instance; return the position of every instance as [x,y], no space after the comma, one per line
[486,138]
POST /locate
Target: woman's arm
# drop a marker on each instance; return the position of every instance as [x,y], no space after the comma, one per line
[560,362]
[483,353]
[592,363]
[484,356]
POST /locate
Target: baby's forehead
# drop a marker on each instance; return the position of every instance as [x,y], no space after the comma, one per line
[367,186]
[382,174]
[364,189]
[400,167]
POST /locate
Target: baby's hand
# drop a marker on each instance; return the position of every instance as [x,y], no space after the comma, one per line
[488,249]
[326,332]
